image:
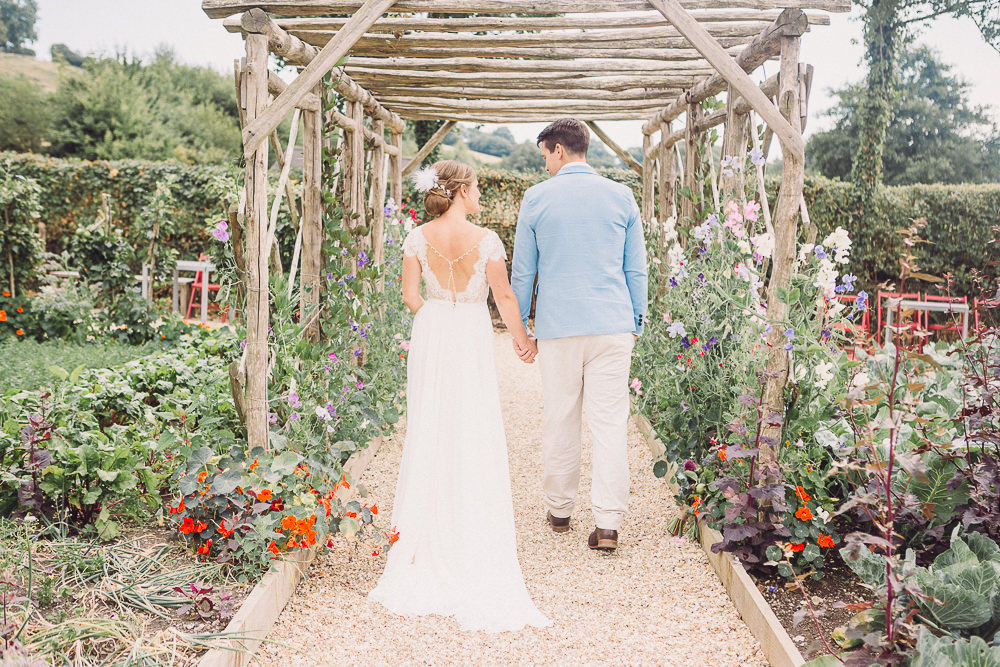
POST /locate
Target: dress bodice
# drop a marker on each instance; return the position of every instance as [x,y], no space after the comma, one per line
[443,275]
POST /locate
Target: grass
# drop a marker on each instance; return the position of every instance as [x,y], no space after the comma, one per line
[26,362]
[44,73]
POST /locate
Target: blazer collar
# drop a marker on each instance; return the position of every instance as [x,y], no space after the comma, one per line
[576,168]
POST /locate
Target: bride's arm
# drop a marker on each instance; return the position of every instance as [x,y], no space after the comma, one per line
[411,284]
[496,274]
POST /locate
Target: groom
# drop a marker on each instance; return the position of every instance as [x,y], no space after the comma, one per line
[581,234]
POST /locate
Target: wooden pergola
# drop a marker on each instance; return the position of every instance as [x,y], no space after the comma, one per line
[652,60]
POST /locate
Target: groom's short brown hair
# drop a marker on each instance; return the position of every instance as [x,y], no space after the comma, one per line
[570,132]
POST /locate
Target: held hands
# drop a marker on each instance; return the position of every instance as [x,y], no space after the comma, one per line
[527,353]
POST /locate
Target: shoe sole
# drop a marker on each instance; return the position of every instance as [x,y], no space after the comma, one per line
[559,529]
[605,545]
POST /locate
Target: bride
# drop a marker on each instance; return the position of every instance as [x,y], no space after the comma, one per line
[456,554]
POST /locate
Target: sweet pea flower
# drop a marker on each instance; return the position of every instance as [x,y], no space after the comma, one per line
[293,400]
[757,157]
[751,211]
[676,329]
[636,386]
[862,301]
[322,412]
[221,231]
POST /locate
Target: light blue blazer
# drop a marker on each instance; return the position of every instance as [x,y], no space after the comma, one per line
[582,235]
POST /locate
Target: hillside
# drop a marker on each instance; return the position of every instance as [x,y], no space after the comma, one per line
[44,73]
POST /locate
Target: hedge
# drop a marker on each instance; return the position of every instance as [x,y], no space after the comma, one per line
[959,230]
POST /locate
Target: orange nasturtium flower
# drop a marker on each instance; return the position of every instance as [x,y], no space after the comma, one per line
[393,536]
[3,315]
[187,526]
[722,454]
[203,549]
[796,547]
[20,332]
[264,495]
[288,523]
[6,293]
[825,540]
[20,309]
[804,513]
[374,509]
[801,493]
[202,475]
[273,548]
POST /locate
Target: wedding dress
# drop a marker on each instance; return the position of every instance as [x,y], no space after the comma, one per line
[457,553]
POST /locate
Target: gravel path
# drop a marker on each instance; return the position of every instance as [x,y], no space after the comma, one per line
[656,601]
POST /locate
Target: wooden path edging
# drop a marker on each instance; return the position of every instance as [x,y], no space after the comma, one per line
[753,608]
[261,608]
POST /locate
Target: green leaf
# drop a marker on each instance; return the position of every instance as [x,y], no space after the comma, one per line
[811,552]
[868,566]
[285,463]
[108,475]
[961,609]
[785,570]
[934,495]
[774,552]
[660,468]
[200,457]
[58,372]
[349,526]
[75,373]
[226,482]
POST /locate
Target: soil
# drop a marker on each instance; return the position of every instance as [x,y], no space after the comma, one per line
[838,585]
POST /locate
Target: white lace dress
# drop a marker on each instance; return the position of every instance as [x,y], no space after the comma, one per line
[457,552]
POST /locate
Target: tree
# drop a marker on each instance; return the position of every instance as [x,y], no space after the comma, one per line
[525,158]
[63,54]
[886,24]
[933,138]
[24,115]
[17,25]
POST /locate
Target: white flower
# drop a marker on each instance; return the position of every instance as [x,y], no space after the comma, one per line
[826,278]
[743,246]
[742,271]
[425,179]
[840,241]
[676,329]
[860,381]
[823,515]
[763,244]
[834,308]
[824,373]
[804,252]
[322,412]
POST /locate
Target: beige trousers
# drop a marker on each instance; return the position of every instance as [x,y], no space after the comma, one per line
[586,373]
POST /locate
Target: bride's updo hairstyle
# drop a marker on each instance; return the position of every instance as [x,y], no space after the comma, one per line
[451,175]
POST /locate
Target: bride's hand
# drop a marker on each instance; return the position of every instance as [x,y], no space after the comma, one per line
[527,352]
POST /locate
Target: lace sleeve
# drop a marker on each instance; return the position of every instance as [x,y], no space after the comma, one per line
[411,246]
[494,248]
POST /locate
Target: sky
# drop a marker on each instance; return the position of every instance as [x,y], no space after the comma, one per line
[141,26]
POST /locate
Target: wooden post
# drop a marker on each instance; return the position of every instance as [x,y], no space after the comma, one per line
[668,186]
[734,144]
[377,205]
[396,170]
[258,306]
[357,139]
[347,174]
[691,202]
[312,219]
[648,181]
[786,212]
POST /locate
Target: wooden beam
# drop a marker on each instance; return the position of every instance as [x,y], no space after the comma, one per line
[625,156]
[420,113]
[786,212]
[297,52]
[603,67]
[638,37]
[648,182]
[557,92]
[764,47]
[347,124]
[426,149]
[379,80]
[258,306]
[257,129]
[433,103]
[276,86]
[607,51]
[312,219]
[218,9]
[532,23]
[396,170]
[742,107]
[731,70]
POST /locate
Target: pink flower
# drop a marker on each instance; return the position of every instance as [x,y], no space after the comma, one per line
[636,386]
[751,210]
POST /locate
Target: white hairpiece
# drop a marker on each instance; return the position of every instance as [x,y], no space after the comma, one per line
[427,179]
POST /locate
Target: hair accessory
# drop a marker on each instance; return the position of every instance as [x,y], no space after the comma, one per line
[427,179]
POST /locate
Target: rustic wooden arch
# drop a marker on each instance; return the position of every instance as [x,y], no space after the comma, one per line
[599,60]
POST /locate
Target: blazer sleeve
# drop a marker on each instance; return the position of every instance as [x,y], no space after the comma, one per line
[635,266]
[524,266]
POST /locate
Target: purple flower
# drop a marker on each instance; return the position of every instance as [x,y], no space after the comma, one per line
[271,417]
[820,252]
[243,345]
[689,465]
[712,341]
[293,400]
[357,352]
[789,333]
[757,157]
[329,276]
[685,343]
[333,357]
[360,385]
[862,301]
[293,417]
[826,333]
[221,231]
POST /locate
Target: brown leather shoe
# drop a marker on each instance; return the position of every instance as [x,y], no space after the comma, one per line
[559,524]
[606,540]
